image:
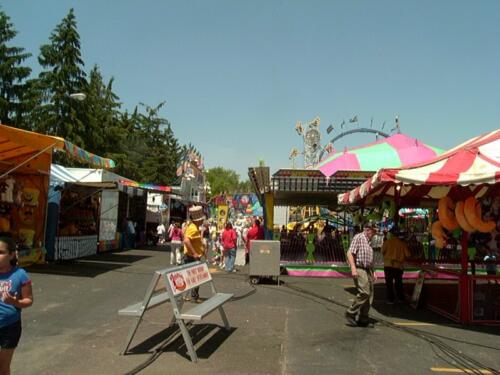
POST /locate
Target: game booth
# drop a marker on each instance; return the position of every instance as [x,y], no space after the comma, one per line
[458,275]
[115,198]
[304,255]
[81,214]
[25,160]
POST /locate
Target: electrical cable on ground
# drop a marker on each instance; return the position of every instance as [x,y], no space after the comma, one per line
[457,359]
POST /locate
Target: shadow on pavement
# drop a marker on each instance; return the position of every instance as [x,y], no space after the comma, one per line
[406,312]
[91,266]
[211,337]
[163,248]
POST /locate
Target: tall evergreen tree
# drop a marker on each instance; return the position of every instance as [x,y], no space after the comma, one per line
[12,76]
[103,133]
[63,75]
[163,150]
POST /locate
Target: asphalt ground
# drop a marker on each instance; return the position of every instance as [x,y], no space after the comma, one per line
[295,328]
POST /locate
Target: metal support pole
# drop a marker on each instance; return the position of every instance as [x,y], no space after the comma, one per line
[464,281]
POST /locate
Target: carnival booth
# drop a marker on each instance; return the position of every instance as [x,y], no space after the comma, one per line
[121,199]
[337,173]
[464,185]
[25,159]
[113,203]
[79,214]
[156,210]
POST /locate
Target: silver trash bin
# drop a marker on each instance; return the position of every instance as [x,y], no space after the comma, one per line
[264,260]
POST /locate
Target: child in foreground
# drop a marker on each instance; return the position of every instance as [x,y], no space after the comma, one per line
[15,294]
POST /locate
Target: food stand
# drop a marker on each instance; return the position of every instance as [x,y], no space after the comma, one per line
[470,172]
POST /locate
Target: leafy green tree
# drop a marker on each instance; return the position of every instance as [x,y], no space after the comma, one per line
[13,76]
[245,187]
[222,180]
[59,114]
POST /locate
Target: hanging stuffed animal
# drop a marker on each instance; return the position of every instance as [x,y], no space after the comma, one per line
[473,214]
[446,213]
[389,206]
[7,190]
[438,234]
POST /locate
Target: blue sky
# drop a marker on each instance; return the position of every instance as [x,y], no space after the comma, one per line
[237,75]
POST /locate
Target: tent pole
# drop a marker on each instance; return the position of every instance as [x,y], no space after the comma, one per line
[464,282]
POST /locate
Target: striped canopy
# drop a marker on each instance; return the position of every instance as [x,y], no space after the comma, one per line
[16,143]
[393,152]
[471,168]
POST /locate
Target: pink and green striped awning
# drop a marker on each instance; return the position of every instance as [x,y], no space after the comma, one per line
[474,164]
[396,151]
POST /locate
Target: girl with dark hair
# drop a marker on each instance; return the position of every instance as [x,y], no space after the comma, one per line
[16,294]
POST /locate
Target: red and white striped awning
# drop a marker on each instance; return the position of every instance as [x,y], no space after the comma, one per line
[470,168]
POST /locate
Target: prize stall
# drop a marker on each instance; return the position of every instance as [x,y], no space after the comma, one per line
[464,185]
[337,173]
[25,159]
[120,198]
[78,213]
[148,205]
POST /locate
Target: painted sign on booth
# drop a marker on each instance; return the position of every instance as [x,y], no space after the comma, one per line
[188,278]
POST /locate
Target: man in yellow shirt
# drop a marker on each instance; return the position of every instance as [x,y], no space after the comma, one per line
[194,247]
[395,253]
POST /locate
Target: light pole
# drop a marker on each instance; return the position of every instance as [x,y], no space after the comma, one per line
[80,96]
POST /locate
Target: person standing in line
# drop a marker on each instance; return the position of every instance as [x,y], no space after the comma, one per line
[395,252]
[160,232]
[360,259]
[16,294]
[254,233]
[229,242]
[175,244]
[213,238]
[130,234]
[194,248]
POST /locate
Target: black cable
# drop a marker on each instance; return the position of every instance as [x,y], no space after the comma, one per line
[464,362]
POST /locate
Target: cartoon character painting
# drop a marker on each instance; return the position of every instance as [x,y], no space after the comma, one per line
[29,204]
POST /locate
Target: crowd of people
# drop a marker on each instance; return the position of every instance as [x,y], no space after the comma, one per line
[217,246]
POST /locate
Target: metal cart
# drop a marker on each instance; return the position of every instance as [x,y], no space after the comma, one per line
[264,260]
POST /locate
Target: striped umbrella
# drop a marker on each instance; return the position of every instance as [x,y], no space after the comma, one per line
[393,152]
[472,167]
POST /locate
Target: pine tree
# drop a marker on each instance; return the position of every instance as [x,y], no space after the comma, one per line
[103,133]
[163,150]
[63,75]
[12,76]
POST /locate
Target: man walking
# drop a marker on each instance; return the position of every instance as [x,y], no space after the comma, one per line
[360,258]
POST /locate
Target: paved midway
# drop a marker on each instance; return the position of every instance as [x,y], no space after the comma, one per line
[296,328]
